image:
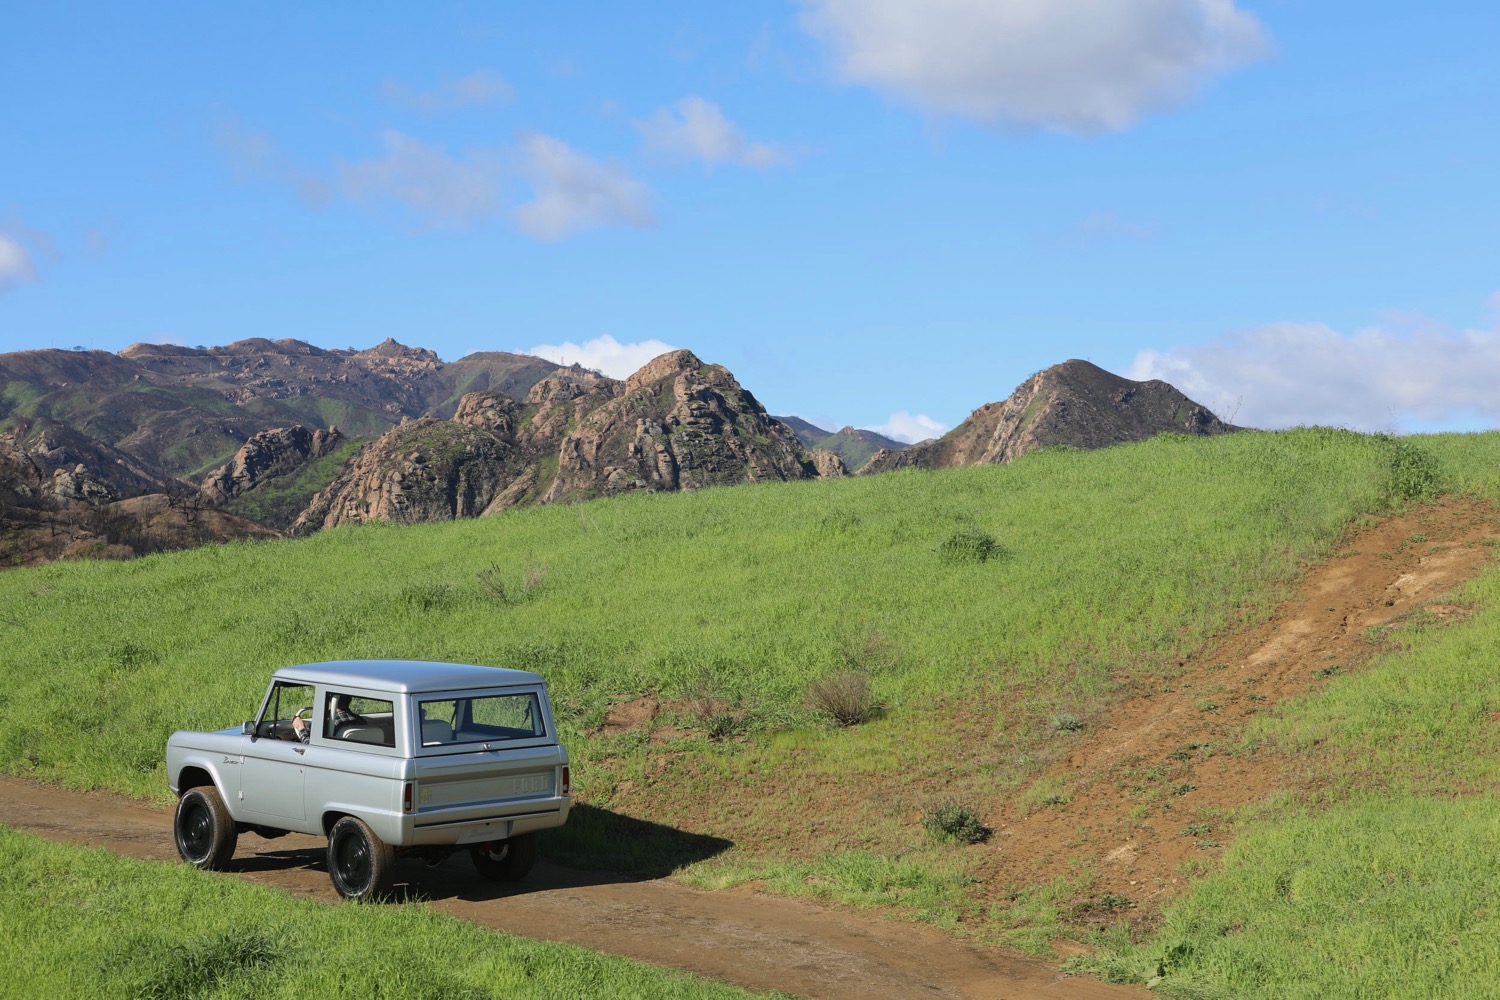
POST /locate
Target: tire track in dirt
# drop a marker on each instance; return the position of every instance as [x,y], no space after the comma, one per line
[759,942]
[1144,784]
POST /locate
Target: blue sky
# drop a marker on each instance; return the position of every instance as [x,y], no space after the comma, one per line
[882,213]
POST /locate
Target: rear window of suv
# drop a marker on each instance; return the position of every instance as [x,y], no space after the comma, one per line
[481,719]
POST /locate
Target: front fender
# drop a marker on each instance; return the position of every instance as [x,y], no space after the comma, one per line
[202,758]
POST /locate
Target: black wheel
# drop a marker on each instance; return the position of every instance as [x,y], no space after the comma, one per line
[359,863]
[204,831]
[505,860]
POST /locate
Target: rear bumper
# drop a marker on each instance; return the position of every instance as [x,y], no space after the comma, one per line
[544,814]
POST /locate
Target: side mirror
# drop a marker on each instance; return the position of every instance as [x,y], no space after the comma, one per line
[248,729]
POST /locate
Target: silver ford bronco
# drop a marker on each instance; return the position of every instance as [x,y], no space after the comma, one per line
[385,758]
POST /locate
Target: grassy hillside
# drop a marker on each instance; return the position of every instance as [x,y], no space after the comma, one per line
[1103,563]
[981,604]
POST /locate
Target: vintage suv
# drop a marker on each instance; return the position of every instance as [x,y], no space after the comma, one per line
[393,758]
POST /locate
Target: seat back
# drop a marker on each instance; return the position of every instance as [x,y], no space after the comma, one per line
[363,734]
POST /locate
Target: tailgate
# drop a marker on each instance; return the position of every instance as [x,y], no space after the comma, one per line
[460,787]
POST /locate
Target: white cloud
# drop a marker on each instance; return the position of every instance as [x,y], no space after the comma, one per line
[254,156]
[572,193]
[1291,374]
[443,190]
[911,428]
[603,354]
[484,87]
[163,339]
[698,130]
[1081,66]
[16,267]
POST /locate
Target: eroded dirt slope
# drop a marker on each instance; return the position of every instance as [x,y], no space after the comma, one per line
[1146,785]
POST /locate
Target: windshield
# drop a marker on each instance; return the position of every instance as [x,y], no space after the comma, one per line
[488,718]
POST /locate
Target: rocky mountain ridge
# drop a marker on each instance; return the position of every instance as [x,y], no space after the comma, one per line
[1075,404]
[210,428]
[675,424]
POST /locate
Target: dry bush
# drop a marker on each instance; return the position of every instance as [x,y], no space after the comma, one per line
[950,821]
[844,695]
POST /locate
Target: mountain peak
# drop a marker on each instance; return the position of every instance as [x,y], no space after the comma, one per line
[663,366]
[1076,404]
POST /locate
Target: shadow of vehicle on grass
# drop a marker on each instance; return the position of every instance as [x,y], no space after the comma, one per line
[595,847]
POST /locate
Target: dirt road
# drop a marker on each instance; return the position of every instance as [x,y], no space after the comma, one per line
[760,942]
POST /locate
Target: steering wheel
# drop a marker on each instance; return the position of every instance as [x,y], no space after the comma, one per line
[298,715]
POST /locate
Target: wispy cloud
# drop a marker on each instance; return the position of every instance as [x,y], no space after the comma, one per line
[1378,379]
[603,354]
[911,428]
[572,192]
[475,90]
[1081,66]
[443,190]
[254,156]
[695,129]
[16,265]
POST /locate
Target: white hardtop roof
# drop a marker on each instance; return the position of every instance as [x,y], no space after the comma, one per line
[406,676]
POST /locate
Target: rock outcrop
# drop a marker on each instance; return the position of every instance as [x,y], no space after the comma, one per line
[1076,404]
[268,454]
[676,424]
[827,464]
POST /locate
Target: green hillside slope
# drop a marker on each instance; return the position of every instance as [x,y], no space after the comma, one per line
[1108,561]
[1003,593]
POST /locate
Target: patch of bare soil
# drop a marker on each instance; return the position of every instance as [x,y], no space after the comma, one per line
[759,942]
[1138,799]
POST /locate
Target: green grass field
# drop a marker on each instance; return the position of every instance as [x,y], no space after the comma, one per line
[1099,568]
[84,923]
[1113,561]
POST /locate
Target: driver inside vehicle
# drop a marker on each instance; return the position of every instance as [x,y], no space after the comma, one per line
[339,714]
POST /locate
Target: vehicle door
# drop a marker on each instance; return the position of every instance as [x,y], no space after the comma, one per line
[274,774]
[352,764]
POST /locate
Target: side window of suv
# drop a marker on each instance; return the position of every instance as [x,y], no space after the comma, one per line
[286,701]
[359,720]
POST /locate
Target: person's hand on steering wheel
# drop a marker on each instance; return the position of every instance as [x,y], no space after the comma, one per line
[299,723]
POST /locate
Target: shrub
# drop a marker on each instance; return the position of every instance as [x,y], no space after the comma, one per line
[492,582]
[1413,474]
[844,695]
[969,544]
[722,726]
[950,821]
[1067,723]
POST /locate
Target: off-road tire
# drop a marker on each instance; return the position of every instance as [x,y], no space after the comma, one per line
[359,862]
[203,829]
[505,860]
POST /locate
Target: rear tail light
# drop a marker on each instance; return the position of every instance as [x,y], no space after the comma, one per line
[406,797]
[567,781]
